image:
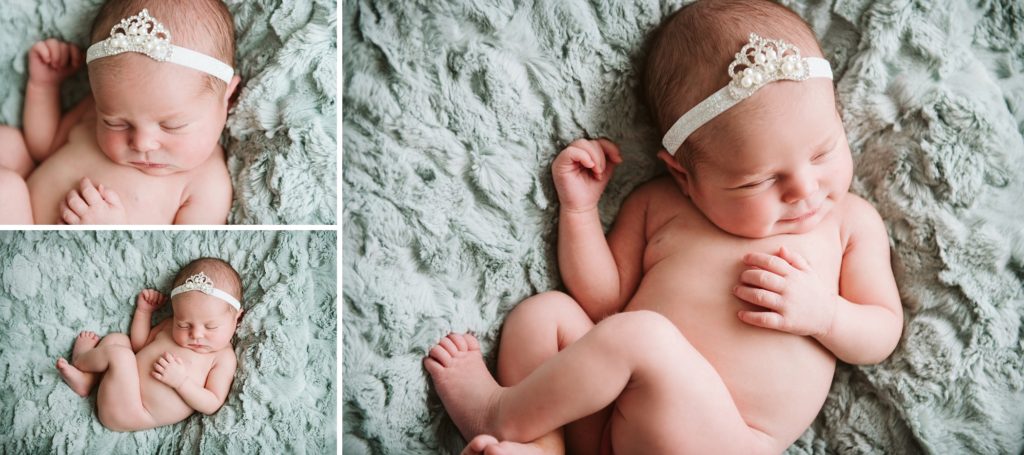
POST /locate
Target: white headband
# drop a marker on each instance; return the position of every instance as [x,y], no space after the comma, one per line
[765,61]
[144,34]
[200,282]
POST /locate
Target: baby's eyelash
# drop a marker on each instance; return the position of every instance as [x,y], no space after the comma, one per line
[754,184]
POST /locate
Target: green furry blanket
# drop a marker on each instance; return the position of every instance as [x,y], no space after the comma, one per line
[281,134]
[54,284]
[454,111]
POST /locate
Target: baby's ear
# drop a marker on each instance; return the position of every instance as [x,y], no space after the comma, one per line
[238,318]
[232,90]
[676,170]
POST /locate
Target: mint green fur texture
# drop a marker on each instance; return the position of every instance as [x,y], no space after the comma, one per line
[455,110]
[281,137]
[55,284]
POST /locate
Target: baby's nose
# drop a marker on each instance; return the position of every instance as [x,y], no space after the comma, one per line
[143,141]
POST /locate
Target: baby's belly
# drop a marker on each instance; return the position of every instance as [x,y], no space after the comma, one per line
[162,402]
[147,199]
[779,381]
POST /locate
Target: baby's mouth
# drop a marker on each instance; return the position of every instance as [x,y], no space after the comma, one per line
[148,165]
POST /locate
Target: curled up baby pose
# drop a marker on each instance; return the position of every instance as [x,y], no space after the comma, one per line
[160,375]
[143,146]
[710,317]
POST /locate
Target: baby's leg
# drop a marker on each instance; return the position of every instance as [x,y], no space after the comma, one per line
[119,402]
[535,331]
[668,398]
[15,205]
[79,381]
[13,152]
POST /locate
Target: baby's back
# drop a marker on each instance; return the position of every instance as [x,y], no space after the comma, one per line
[779,381]
[162,402]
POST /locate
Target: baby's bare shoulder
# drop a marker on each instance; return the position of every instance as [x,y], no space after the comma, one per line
[860,220]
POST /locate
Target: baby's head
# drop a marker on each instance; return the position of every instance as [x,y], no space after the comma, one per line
[163,117]
[774,163]
[203,299]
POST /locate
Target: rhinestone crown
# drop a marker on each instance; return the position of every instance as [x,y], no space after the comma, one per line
[140,33]
[765,61]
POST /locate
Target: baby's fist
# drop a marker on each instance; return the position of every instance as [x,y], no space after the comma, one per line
[170,369]
[51,61]
[150,300]
[90,204]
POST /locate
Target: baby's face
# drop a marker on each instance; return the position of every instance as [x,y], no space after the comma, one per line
[778,168]
[202,323]
[156,117]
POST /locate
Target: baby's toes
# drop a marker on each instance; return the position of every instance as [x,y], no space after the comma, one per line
[440,355]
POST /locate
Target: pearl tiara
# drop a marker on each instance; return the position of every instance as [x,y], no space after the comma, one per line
[763,61]
[143,34]
[200,282]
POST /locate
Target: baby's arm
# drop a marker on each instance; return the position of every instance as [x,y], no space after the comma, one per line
[601,273]
[208,198]
[207,399]
[862,324]
[146,303]
[50,63]
[869,316]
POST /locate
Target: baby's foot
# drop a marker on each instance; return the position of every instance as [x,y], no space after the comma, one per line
[74,377]
[78,380]
[466,388]
[86,340]
[486,444]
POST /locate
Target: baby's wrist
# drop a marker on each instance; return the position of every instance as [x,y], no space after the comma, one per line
[38,84]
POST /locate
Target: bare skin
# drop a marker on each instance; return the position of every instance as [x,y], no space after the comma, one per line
[722,299]
[118,157]
[174,373]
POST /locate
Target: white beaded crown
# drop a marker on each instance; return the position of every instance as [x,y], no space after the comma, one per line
[761,61]
[202,283]
[144,34]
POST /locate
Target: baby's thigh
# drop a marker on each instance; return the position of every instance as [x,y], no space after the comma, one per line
[15,205]
[537,329]
[13,152]
[678,403]
[119,400]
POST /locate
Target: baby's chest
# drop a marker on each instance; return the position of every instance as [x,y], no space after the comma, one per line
[197,365]
[146,199]
[705,253]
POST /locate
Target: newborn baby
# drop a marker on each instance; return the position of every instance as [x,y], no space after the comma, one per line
[143,147]
[161,375]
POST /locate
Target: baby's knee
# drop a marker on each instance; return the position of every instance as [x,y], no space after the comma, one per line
[551,305]
[639,329]
[116,339]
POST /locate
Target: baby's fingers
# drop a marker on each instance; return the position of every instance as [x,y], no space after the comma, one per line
[766,319]
[611,151]
[110,196]
[75,203]
[43,51]
[763,279]
[89,192]
[759,297]
[67,215]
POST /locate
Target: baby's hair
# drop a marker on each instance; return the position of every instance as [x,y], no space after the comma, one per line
[690,52]
[222,274]
[201,25]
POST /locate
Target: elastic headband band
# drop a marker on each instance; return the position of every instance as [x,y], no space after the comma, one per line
[144,34]
[765,61]
[200,282]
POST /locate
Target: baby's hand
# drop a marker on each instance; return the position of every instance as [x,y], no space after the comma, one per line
[582,171]
[89,204]
[785,284]
[150,300]
[170,369]
[52,61]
